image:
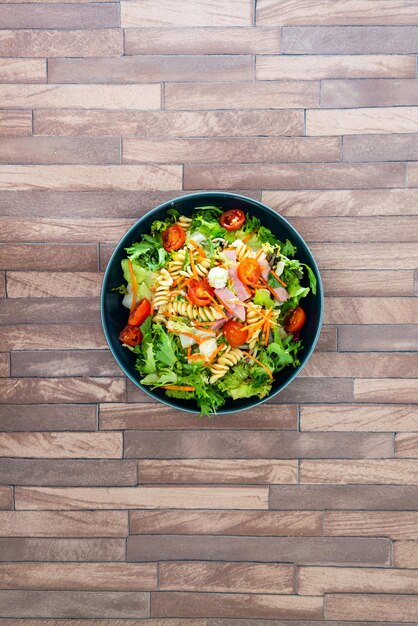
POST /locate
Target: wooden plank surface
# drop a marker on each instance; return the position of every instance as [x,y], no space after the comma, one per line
[115,509]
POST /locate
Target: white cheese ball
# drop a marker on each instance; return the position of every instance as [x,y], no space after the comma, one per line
[218,277]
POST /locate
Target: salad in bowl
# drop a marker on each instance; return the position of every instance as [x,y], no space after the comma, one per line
[215,306]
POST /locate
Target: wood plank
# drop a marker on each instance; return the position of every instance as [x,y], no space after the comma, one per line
[47,417]
[61,445]
[362,310]
[226,577]
[70,524]
[64,499]
[365,256]
[378,337]
[406,445]
[80,96]
[71,16]
[56,150]
[51,230]
[22,70]
[15,123]
[371,607]
[207,40]
[405,554]
[75,177]
[58,390]
[59,363]
[238,523]
[157,68]
[368,282]
[262,150]
[96,550]
[290,67]
[376,365]
[235,123]
[217,471]
[39,256]
[380,148]
[6,498]
[337,12]
[362,121]
[378,92]
[217,13]
[262,95]
[386,390]
[373,472]
[56,43]
[160,417]
[53,284]
[79,576]
[314,581]
[182,604]
[393,524]
[47,336]
[4,365]
[354,417]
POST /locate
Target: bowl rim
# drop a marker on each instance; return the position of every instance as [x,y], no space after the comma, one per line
[167,204]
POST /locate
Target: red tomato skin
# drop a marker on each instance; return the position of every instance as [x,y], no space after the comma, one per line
[173,238]
[249,271]
[234,333]
[130,335]
[200,292]
[296,320]
[140,312]
[232,219]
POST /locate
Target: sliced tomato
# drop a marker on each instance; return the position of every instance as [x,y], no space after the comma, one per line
[234,333]
[249,271]
[296,320]
[173,238]
[140,312]
[200,292]
[130,335]
[232,219]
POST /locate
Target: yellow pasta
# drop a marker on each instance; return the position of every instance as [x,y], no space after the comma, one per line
[242,250]
[228,358]
[163,283]
[194,312]
[184,221]
[176,263]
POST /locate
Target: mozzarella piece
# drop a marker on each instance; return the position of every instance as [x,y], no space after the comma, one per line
[218,277]
[280,268]
[208,347]
[197,237]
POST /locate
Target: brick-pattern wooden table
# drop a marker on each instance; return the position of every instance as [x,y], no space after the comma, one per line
[305,509]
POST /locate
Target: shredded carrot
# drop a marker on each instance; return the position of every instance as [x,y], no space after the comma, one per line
[178,387]
[217,306]
[215,352]
[271,290]
[189,352]
[152,309]
[259,253]
[134,285]
[198,248]
[248,237]
[196,357]
[268,326]
[258,363]
[278,278]
[197,340]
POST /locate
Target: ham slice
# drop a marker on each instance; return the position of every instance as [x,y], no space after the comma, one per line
[231,255]
[231,302]
[281,294]
[237,284]
[265,266]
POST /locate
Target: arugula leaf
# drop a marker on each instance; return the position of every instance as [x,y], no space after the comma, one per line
[287,249]
[164,348]
[149,251]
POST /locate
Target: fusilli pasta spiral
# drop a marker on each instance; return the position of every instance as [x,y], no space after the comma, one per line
[184,221]
[163,283]
[228,359]
[176,263]
[242,250]
[192,311]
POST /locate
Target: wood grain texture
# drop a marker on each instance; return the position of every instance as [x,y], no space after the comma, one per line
[361,121]
[217,13]
[240,523]
[56,43]
[395,525]
[69,524]
[406,445]
[227,577]
[206,40]
[166,124]
[46,417]
[375,607]
[57,390]
[6,497]
[368,418]
[141,497]
[61,445]
[77,576]
[320,580]
[216,471]
[53,284]
[65,150]
[388,472]
[22,549]
[15,123]
[405,554]
[72,16]
[319,67]
[22,70]
[17,256]
[384,92]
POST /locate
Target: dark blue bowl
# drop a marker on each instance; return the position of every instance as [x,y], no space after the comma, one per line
[114,316]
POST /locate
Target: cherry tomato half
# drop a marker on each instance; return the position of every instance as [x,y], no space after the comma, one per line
[234,333]
[296,320]
[200,292]
[232,219]
[140,312]
[173,238]
[249,271]
[130,335]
